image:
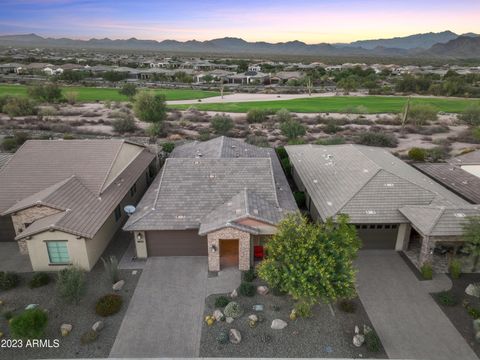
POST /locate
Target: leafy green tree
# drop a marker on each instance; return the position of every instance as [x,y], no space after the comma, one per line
[49,92]
[73,76]
[129,90]
[19,106]
[114,76]
[471,115]
[312,261]
[471,234]
[222,124]
[348,84]
[292,129]
[150,107]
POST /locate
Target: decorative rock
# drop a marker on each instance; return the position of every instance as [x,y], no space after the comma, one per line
[358,340]
[262,290]
[218,315]
[357,330]
[31,306]
[229,320]
[98,326]
[293,315]
[253,317]
[65,329]
[134,272]
[278,324]
[366,329]
[118,285]
[235,336]
[258,307]
[234,294]
[210,320]
[473,290]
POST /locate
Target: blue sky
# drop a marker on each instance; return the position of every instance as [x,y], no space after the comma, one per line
[305,20]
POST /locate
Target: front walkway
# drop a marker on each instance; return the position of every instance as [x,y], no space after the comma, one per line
[407,319]
[12,260]
[165,314]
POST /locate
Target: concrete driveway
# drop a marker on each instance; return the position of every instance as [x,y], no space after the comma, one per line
[165,314]
[12,260]
[407,319]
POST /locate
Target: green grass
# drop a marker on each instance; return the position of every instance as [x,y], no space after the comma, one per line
[89,94]
[337,104]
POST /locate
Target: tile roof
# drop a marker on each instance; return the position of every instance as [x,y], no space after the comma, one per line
[367,183]
[471,158]
[440,220]
[454,178]
[201,178]
[4,157]
[75,191]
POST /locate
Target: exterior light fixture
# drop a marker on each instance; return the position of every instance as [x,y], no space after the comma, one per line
[139,236]
[213,248]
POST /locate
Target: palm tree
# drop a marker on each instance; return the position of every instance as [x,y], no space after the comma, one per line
[471,234]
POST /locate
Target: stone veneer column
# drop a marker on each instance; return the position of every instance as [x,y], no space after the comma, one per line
[229,234]
[22,245]
[425,251]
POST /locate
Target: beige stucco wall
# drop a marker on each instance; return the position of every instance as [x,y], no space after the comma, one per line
[37,250]
[140,244]
[403,235]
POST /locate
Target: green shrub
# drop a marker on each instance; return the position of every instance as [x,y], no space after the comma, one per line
[111,268]
[108,305]
[331,128]
[71,284]
[336,140]
[47,92]
[39,279]
[283,115]
[249,275]
[278,292]
[256,140]
[8,280]
[372,341]
[19,106]
[421,114]
[455,268]
[292,129]
[156,130]
[233,310]
[222,124]
[281,152]
[473,312]
[300,198]
[417,154]
[221,301]
[471,115]
[377,139]
[30,324]
[222,337]
[347,306]
[303,309]
[168,147]
[124,123]
[246,289]
[88,337]
[446,298]
[9,144]
[256,116]
[427,271]
[287,166]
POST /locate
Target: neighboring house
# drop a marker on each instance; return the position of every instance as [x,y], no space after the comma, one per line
[391,203]
[11,68]
[284,76]
[469,162]
[453,177]
[218,198]
[249,77]
[65,198]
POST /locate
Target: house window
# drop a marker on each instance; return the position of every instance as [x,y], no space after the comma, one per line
[58,252]
[372,226]
[394,226]
[133,189]
[387,226]
[379,226]
[118,213]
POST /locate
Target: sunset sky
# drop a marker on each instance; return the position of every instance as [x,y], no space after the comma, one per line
[274,21]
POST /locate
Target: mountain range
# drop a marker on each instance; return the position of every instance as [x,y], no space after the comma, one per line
[443,44]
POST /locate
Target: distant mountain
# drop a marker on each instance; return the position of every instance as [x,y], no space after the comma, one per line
[462,47]
[424,41]
[421,44]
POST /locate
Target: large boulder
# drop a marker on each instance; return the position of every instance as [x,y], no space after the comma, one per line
[278,324]
[118,285]
[229,320]
[218,315]
[358,340]
[98,326]
[473,290]
[234,294]
[235,336]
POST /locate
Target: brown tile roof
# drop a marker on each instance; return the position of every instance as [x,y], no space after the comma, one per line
[471,158]
[73,189]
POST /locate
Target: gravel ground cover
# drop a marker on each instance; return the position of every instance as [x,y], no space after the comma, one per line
[82,316]
[458,314]
[323,335]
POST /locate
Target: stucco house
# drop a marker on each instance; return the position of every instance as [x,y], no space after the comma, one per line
[220,198]
[392,205]
[63,200]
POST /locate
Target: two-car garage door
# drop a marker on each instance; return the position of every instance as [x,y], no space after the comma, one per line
[176,243]
[378,236]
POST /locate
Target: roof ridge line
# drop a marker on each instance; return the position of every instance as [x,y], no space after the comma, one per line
[358,191]
[273,180]
[437,218]
[110,168]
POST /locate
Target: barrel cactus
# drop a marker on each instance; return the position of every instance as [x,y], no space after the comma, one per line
[233,310]
[222,337]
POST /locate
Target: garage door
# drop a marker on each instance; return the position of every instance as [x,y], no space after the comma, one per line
[7,233]
[176,243]
[378,238]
